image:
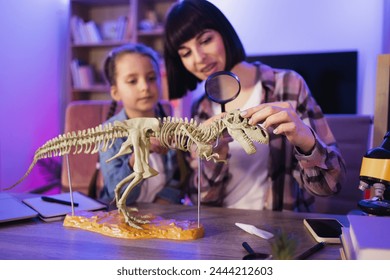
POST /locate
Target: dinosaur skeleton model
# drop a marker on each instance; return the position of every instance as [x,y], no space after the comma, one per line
[172,133]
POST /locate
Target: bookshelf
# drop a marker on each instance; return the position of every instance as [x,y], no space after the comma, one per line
[97,26]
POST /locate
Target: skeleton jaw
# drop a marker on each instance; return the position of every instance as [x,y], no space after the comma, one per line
[244,133]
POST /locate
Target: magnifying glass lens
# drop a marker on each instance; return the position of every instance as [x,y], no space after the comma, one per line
[222,87]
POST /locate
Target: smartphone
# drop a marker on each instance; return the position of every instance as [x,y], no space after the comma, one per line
[324,230]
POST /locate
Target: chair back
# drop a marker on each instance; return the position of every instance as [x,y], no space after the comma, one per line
[352,133]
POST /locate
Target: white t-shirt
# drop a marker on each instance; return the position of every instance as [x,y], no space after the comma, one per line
[151,186]
[249,186]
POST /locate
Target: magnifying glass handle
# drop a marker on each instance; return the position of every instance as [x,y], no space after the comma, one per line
[223,108]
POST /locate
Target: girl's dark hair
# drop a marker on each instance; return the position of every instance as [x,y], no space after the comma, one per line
[110,62]
[184,21]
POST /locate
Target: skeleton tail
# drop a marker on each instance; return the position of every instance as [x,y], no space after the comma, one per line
[89,141]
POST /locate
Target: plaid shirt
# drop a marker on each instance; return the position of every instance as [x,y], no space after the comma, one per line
[295,177]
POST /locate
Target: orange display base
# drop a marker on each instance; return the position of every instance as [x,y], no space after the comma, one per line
[112,224]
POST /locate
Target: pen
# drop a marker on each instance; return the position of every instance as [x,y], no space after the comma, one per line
[311,251]
[59,201]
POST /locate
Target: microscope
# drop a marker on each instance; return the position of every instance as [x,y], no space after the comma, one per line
[375,173]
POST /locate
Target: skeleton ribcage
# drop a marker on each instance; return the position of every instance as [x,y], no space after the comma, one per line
[178,133]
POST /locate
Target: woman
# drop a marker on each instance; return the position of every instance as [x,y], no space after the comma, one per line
[302,154]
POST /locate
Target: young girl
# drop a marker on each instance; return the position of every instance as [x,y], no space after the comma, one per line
[134,76]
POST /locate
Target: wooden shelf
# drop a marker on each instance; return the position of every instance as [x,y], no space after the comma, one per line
[95,88]
[90,51]
[154,32]
[101,2]
[103,44]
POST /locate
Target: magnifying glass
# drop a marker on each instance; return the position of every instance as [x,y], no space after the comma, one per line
[222,87]
[254,256]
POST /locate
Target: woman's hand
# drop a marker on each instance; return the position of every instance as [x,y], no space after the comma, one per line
[282,117]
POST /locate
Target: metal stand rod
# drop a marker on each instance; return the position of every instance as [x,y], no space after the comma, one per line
[70,184]
[199,184]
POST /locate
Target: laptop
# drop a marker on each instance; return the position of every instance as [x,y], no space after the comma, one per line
[12,209]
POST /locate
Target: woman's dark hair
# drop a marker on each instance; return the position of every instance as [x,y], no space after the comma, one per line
[184,21]
[110,62]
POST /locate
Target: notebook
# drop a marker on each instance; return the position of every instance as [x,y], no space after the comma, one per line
[51,211]
[12,209]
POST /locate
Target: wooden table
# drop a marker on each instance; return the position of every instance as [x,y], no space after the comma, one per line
[34,239]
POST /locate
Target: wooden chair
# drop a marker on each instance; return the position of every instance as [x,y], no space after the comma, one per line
[82,115]
[352,133]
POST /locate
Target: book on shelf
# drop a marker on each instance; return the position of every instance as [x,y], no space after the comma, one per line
[86,76]
[367,238]
[75,29]
[74,71]
[122,27]
[92,32]
[84,32]
[82,74]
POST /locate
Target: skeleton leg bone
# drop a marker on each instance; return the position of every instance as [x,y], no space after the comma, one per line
[121,203]
[120,185]
[142,170]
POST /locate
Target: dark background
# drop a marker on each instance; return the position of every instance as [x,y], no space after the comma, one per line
[331,77]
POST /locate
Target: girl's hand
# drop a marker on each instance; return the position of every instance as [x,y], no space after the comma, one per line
[156,147]
[282,117]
